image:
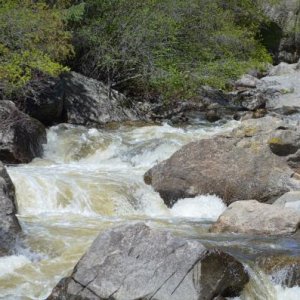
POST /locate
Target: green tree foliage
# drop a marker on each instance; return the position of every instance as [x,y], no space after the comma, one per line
[148,47]
[169,46]
[32,39]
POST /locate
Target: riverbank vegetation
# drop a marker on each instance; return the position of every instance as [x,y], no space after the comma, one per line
[145,48]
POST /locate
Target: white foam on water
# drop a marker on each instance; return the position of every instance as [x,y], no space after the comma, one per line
[98,172]
[207,207]
[284,293]
[261,287]
[87,176]
[9,264]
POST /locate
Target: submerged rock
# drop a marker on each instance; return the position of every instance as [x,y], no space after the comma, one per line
[21,137]
[234,167]
[252,217]
[9,225]
[90,102]
[137,262]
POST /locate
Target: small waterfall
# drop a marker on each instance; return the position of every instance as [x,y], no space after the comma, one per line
[261,287]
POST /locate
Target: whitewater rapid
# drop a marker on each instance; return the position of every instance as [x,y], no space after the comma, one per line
[91,179]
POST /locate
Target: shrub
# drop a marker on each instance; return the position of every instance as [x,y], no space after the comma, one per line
[32,38]
[169,47]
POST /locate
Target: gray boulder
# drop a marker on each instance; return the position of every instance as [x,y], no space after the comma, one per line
[9,225]
[90,102]
[282,89]
[234,167]
[21,137]
[289,200]
[252,217]
[137,262]
[278,92]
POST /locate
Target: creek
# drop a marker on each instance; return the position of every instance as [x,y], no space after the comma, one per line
[90,179]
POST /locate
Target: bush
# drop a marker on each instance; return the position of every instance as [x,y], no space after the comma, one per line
[32,39]
[169,47]
[144,47]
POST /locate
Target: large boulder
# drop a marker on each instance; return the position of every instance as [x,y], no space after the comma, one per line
[21,137]
[90,102]
[43,100]
[252,217]
[284,29]
[9,225]
[283,89]
[137,262]
[238,166]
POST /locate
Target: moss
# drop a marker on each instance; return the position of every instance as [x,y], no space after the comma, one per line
[275,140]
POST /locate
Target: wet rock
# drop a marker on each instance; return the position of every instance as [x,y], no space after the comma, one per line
[283,269]
[212,116]
[21,137]
[237,166]
[90,102]
[177,112]
[210,104]
[252,217]
[9,225]
[289,200]
[137,262]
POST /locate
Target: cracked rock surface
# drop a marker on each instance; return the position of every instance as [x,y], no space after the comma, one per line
[137,262]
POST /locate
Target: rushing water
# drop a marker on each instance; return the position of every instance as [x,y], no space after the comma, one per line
[91,179]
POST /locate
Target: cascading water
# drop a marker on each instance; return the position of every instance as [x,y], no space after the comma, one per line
[91,179]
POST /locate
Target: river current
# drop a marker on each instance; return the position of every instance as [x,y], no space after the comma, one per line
[90,179]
